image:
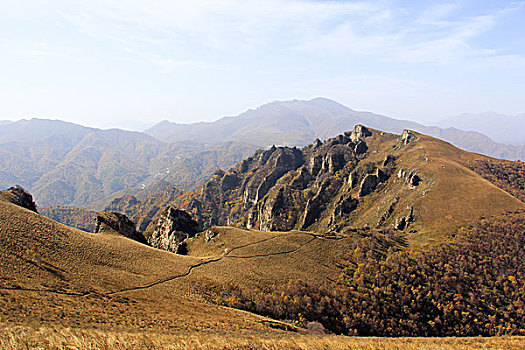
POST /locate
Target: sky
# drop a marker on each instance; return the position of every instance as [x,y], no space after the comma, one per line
[132,63]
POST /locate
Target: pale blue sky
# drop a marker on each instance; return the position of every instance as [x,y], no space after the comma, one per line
[102,62]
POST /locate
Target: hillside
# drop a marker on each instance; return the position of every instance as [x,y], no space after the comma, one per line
[298,123]
[472,286]
[67,164]
[359,283]
[51,274]
[363,178]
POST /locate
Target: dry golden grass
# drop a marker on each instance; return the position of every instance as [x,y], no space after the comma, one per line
[51,274]
[449,196]
[54,338]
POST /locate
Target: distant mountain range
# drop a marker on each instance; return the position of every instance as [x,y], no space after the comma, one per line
[499,127]
[67,164]
[297,123]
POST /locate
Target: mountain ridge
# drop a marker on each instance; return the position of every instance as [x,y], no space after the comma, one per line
[64,163]
[362,178]
[497,126]
[298,122]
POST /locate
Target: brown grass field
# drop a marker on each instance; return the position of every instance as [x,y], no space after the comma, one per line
[55,338]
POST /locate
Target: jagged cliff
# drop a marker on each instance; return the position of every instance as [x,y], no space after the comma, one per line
[318,187]
[362,178]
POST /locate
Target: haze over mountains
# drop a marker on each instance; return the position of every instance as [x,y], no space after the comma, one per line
[499,127]
[299,122]
[67,164]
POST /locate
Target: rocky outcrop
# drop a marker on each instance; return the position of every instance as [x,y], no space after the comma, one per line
[345,206]
[406,137]
[172,228]
[368,185]
[119,223]
[19,196]
[386,215]
[317,187]
[359,133]
[371,181]
[360,148]
[402,222]
[389,160]
[353,179]
[316,205]
[411,177]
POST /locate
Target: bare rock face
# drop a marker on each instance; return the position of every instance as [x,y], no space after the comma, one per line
[359,132]
[411,177]
[368,185]
[172,228]
[353,179]
[345,206]
[19,196]
[321,187]
[389,160]
[406,137]
[360,148]
[113,221]
[403,222]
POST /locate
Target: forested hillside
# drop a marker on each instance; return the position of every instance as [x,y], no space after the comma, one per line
[471,286]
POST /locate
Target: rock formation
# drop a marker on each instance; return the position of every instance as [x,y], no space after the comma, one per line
[406,136]
[402,222]
[327,186]
[172,228]
[285,188]
[117,222]
[19,196]
[411,177]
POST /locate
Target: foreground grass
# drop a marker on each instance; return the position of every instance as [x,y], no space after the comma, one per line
[55,338]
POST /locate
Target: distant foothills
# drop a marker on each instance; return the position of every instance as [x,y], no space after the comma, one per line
[63,163]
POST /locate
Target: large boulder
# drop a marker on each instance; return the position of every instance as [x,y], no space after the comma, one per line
[108,221]
[19,196]
[172,228]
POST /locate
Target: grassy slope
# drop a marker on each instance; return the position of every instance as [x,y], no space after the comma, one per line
[255,258]
[60,287]
[458,195]
[450,194]
[52,274]
[66,339]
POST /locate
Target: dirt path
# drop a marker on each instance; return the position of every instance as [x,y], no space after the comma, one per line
[226,255]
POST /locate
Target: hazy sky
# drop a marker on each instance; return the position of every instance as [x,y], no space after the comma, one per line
[102,62]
